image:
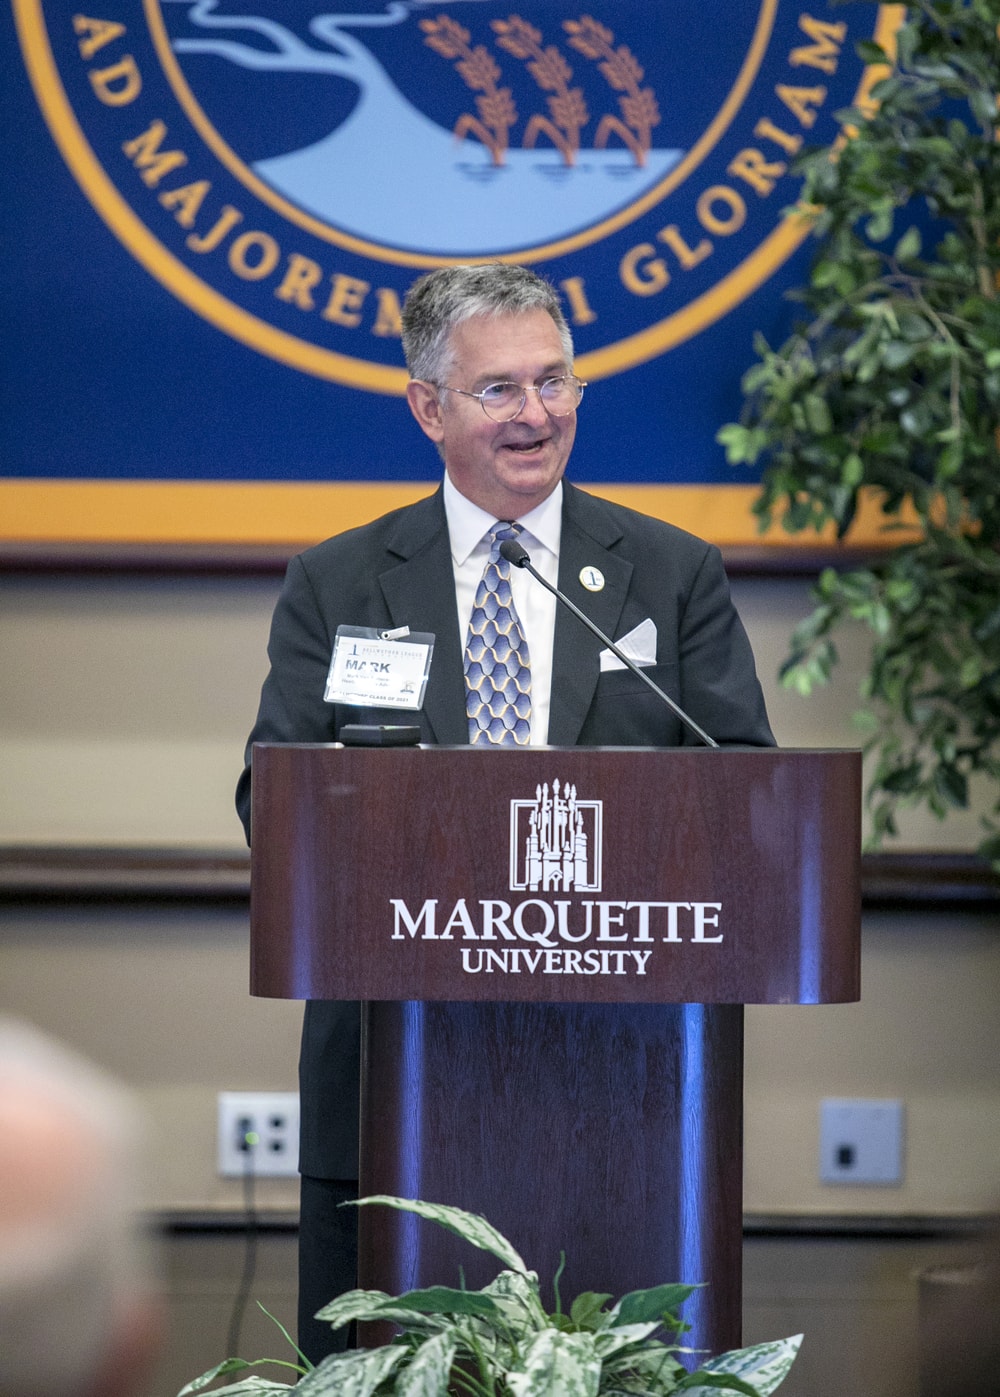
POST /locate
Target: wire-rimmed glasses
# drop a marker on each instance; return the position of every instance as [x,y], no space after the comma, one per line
[502,402]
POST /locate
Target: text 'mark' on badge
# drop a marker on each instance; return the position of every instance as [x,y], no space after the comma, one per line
[379,669]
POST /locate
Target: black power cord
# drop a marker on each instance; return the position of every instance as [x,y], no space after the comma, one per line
[248,1142]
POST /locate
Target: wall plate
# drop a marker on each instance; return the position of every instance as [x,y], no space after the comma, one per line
[861,1141]
[258,1134]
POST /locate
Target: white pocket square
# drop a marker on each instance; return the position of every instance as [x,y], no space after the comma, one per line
[639,645]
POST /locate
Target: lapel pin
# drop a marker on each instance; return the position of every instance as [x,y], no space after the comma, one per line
[592,579]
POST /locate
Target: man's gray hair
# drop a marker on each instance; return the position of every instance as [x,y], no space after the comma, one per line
[442,299]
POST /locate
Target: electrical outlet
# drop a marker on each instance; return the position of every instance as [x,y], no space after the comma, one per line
[860,1141]
[258,1133]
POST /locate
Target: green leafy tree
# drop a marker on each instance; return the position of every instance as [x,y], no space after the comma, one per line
[500,1341]
[892,387]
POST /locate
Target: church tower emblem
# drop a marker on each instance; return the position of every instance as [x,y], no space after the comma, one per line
[556,841]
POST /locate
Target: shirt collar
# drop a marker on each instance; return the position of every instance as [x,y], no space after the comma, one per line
[467,523]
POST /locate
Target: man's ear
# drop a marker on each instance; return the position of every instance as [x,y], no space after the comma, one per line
[426,407]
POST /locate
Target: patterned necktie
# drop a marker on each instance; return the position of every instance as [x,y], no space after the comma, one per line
[497,666]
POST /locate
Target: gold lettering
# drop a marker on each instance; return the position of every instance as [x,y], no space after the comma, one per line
[800,101]
[187,200]
[688,257]
[118,85]
[825,49]
[302,275]
[225,223]
[265,249]
[711,221]
[580,308]
[752,166]
[148,159]
[388,321]
[647,279]
[767,131]
[95,34]
[346,299]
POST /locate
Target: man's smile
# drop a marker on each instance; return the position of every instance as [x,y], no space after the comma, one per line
[525,446]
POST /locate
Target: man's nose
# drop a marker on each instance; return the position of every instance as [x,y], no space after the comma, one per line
[533,410]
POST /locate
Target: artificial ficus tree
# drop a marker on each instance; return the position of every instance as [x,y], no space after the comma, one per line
[891,387]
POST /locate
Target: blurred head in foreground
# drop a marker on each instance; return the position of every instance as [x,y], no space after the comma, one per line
[79,1313]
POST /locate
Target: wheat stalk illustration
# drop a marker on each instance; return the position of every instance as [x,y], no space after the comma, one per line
[495,105]
[548,67]
[624,74]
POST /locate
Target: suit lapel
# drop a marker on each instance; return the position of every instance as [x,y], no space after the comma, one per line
[416,580]
[418,587]
[589,535]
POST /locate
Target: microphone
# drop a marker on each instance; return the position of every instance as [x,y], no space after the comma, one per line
[518,556]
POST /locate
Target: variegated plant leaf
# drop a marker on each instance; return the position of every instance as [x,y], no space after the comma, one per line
[652,1369]
[517,1294]
[198,1384]
[638,1306]
[469,1226]
[371,1305]
[557,1365]
[246,1387]
[356,1373]
[704,1384]
[444,1300]
[353,1304]
[762,1366]
[428,1371]
[253,1383]
[609,1341]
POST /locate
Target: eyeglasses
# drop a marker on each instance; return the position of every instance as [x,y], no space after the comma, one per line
[502,402]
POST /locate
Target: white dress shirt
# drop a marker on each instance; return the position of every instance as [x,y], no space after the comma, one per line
[541,529]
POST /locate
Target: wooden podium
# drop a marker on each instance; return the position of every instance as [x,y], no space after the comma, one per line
[554,946]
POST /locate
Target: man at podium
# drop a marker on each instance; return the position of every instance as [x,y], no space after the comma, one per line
[490,357]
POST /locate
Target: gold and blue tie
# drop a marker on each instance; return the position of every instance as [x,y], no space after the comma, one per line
[497,666]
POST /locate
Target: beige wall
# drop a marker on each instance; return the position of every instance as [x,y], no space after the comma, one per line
[124,705]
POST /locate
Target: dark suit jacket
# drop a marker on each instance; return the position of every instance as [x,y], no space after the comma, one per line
[397,571]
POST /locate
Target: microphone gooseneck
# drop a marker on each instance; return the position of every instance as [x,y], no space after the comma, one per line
[519,557]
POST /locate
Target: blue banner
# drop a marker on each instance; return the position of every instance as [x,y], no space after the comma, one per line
[214,210]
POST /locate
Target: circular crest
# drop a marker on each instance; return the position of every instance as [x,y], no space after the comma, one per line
[287,172]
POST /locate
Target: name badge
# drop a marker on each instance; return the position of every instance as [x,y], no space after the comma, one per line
[379,669]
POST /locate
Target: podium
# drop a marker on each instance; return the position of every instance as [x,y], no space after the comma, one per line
[554,947]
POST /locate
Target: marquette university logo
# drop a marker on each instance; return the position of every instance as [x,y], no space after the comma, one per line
[556,851]
[287,171]
[555,841]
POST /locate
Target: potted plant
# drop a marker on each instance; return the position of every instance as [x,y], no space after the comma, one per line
[500,1341]
[890,390]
